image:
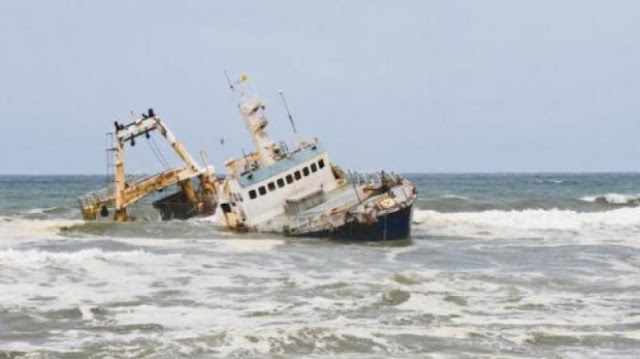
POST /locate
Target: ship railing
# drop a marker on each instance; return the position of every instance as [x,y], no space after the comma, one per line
[100,196]
[359,178]
[107,194]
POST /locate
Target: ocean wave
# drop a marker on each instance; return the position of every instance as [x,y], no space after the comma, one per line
[12,228]
[250,245]
[44,210]
[37,256]
[550,181]
[455,196]
[617,224]
[613,198]
[448,203]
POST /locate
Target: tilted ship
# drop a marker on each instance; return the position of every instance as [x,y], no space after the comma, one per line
[297,192]
[302,193]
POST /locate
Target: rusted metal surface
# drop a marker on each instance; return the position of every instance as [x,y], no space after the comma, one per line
[124,193]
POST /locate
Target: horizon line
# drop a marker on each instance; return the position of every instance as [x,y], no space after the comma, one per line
[362,171]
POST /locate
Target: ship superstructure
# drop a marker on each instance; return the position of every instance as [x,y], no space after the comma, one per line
[302,193]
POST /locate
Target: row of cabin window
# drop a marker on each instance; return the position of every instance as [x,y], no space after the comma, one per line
[289,178]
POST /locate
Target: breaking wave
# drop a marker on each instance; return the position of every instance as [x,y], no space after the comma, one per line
[613,198]
[46,210]
[615,224]
[550,181]
[19,229]
[455,196]
[34,256]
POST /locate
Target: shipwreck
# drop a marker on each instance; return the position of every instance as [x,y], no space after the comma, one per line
[296,192]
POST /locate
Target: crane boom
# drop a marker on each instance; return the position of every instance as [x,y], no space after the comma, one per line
[126,193]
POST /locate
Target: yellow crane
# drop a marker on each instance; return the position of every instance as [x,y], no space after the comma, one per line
[124,193]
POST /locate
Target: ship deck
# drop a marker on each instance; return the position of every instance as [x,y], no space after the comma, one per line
[327,213]
[340,198]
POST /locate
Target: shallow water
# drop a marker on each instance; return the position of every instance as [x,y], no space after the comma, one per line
[500,266]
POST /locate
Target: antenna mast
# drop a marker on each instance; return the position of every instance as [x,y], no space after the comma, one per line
[229,80]
[293,125]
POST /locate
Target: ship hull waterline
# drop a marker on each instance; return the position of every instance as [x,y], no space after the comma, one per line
[392,226]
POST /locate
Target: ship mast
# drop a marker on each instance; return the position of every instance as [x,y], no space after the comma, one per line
[253,111]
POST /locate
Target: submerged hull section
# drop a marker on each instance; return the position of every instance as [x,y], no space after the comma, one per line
[388,227]
[178,206]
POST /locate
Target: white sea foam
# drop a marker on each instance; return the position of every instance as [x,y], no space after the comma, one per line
[250,245]
[623,223]
[209,296]
[281,307]
[39,210]
[552,181]
[455,196]
[613,198]
[37,256]
[17,230]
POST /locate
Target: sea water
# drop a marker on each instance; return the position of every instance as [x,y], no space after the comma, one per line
[499,266]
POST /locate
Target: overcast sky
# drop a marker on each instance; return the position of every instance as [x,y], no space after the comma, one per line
[414,86]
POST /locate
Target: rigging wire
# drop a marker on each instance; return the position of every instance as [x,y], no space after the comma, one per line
[157,153]
[164,160]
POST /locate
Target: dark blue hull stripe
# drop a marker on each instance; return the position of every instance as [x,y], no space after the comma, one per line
[393,226]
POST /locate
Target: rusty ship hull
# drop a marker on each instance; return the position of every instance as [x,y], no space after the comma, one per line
[393,226]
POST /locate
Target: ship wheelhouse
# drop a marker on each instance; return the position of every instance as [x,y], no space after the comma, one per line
[292,184]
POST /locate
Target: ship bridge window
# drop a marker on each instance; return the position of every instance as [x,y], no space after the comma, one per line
[321,163]
[280,183]
[289,179]
[262,190]
[272,186]
[252,194]
[305,171]
[314,168]
[297,175]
